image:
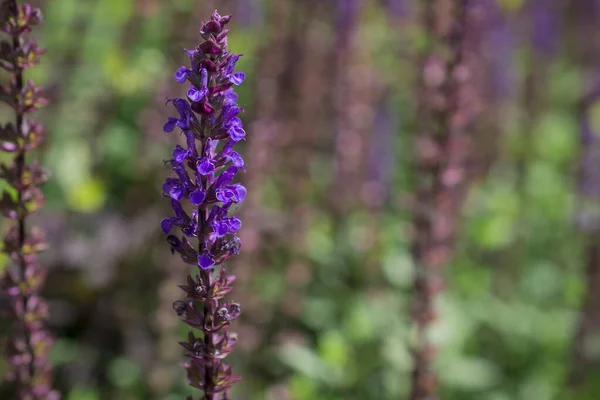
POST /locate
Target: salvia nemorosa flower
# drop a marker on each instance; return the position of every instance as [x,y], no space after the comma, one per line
[29,341]
[203,194]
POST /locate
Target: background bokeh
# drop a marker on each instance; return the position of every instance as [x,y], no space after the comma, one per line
[325,273]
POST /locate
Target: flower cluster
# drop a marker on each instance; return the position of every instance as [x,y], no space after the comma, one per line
[29,342]
[202,194]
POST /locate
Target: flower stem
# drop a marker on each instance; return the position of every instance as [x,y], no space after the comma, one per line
[20,166]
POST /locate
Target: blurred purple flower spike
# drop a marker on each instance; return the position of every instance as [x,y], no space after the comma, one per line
[28,343]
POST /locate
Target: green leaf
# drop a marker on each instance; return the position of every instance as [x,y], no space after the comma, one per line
[81,393]
[123,372]
[333,348]
[470,373]
[304,360]
[398,269]
[87,197]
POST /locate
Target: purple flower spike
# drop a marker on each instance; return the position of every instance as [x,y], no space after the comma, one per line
[27,372]
[205,170]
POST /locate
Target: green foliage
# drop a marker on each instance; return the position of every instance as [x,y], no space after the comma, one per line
[123,373]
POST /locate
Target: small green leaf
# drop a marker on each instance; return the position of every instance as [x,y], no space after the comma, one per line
[87,197]
[123,372]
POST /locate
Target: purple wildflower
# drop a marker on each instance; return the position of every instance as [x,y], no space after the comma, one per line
[203,183]
[28,342]
[181,74]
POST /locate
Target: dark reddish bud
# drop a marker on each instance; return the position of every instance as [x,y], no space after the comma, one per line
[210,47]
[208,65]
[212,26]
[225,20]
[220,88]
[222,38]
[203,108]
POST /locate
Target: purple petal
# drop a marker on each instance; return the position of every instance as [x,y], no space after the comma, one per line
[182,106]
[229,113]
[236,122]
[184,110]
[234,224]
[236,159]
[225,177]
[170,125]
[195,94]
[168,185]
[215,214]
[220,228]
[191,55]
[205,261]
[197,197]
[167,224]
[230,66]
[231,97]
[204,79]
[227,149]
[205,166]
[181,172]
[191,143]
[181,74]
[176,205]
[240,192]
[179,154]
[184,123]
[237,133]
[237,78]
[225,195]
[176,192]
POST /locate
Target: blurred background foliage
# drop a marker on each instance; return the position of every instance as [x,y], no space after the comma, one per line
[325,274]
